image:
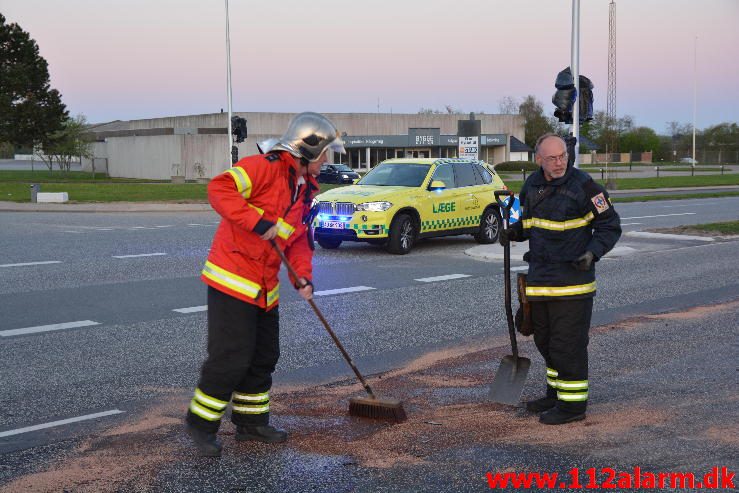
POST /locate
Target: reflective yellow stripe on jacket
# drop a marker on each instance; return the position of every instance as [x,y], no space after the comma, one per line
[560,290]
[273,295]
[537,222]
[284,230]
[243,183]
[231,280]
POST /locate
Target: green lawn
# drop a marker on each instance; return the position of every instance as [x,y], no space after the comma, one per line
[15,187]
[722,228]
[640,169]
[109,192]
[727,228]
[46,176]
[651,198]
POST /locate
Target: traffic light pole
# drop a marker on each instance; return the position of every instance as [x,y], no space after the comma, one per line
[228,84]
[575,64]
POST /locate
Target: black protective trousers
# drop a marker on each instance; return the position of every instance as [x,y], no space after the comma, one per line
[561,335]
[243,349]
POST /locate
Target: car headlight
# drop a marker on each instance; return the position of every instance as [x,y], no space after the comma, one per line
[374,206]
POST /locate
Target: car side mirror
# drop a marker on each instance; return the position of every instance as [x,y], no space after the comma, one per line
[437,185]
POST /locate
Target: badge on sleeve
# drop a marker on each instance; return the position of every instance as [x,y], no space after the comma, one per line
[600,203]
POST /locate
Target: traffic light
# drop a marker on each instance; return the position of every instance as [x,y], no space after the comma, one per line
[586,99]
[564,97]
[238,126]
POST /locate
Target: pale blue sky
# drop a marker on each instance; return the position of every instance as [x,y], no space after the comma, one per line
[116,59]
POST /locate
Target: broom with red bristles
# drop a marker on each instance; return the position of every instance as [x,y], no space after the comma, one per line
[366,407]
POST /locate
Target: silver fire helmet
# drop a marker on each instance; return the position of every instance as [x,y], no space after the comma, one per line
[308,135]
[266,145]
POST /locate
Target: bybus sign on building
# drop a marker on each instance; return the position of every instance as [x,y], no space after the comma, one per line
[468,147]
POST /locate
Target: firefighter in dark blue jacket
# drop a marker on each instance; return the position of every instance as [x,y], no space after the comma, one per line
[570,224]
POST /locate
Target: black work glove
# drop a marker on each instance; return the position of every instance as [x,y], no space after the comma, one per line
[584,262]
[507,236]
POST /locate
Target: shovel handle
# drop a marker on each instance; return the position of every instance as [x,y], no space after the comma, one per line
[323,320]
[506,208]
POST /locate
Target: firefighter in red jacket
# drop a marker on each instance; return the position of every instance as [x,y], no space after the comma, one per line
[261,198]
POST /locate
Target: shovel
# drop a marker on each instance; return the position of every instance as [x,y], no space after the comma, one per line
[511,376]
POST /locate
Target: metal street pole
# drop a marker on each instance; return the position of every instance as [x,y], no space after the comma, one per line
[228,84]
[575,64]
[695,88]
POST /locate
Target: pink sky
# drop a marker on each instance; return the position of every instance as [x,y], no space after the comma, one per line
[129,59]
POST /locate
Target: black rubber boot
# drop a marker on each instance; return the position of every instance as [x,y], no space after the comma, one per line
[206,443]
[266,434]
[540,405]
[556,416]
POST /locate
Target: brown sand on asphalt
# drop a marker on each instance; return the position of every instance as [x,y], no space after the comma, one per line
[697,312]
[444,394]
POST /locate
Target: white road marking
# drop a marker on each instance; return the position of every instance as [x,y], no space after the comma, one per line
[142,227]
[103,229]
[47,328]
[516,269]
[27,429]
[354,289]
[629,224]
[192,309]
[442,278]
[665,236]
[32,263]
[140,255]
[661,215]
[77,232]
[703,204]
[165,226]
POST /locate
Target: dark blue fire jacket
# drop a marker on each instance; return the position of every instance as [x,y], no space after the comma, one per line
[562,219]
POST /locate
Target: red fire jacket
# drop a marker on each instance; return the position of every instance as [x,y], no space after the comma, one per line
[255,194]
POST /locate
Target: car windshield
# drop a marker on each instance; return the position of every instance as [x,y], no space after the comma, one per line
[396,174]
[343,167]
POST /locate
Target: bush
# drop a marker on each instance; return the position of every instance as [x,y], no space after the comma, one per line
[515,166]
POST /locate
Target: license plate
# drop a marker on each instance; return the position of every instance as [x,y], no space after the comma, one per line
[333,224]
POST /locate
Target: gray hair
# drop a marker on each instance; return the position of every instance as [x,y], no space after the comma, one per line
[545,137]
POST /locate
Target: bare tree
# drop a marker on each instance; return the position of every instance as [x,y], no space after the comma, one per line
[508,105]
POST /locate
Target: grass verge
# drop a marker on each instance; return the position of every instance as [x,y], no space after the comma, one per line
[15,187]
[721,228]
[677,196]
[726,228]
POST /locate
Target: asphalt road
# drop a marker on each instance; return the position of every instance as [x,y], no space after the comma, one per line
[119,278]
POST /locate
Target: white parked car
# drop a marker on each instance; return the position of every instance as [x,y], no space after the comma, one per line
[688,160]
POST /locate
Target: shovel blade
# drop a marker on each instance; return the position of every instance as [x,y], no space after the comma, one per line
[509,380]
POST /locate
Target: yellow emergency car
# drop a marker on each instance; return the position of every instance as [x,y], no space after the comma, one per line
[402,200]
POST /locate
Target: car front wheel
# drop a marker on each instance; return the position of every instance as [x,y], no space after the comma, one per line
[489,227]
[402,235]
[329,243]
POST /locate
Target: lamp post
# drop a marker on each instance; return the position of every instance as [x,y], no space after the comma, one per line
[575,64]
[695,87]
[228,83]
